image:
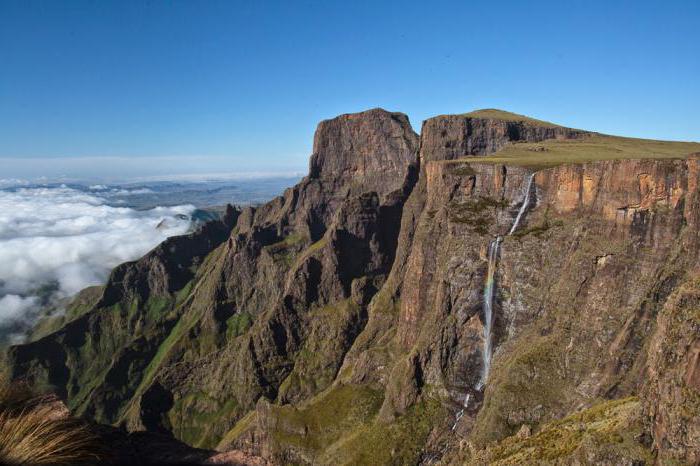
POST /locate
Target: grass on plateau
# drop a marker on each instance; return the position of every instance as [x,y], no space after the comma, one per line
[495,114]
[592,148]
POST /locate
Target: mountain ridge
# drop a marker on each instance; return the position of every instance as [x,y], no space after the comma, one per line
[348,311]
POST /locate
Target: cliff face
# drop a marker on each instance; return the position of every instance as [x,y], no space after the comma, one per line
[343,323]
[371,150]
[672,387]
[579,287]
[448,137]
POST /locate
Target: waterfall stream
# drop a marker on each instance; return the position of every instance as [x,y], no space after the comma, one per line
[494,246]
[489,288]
[490,285]
[523,207]
[460,413]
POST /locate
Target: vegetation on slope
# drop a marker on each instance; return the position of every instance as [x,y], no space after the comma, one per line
[340,427]
[397,443]
[607,433]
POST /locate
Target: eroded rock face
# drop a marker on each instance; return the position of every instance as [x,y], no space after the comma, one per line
[579,286]
[672,380]
[169,266]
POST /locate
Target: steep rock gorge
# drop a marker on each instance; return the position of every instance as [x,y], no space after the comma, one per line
[342,323]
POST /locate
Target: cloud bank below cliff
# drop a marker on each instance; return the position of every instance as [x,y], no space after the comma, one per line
[63,239]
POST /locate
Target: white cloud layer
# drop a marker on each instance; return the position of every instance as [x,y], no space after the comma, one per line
[14,308]
[72,238]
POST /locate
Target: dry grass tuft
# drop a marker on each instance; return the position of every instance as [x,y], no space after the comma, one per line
[35,430]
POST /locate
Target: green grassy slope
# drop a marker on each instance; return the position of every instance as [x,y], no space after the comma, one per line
[606,433]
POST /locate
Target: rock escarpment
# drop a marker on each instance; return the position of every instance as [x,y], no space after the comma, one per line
[342,323]
[449,137]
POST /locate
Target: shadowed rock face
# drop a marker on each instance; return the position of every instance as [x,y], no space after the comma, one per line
[168,267]
[341,323]
[673,378]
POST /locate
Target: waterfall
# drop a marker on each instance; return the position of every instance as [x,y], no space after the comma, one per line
[490,286]
[460,413]
[523,207]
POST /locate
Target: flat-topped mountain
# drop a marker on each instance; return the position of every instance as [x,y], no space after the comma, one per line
[373,150]
[345,322]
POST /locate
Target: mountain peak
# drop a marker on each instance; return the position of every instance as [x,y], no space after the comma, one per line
[374,147]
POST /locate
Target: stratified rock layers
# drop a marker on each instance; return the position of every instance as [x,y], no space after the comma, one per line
[344,317]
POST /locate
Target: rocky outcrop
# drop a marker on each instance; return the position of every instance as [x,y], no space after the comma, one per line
[449,137]
[372,150]
[345,318]
[169,266]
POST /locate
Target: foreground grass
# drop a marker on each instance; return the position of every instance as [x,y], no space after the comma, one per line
[593,148]
[34,431]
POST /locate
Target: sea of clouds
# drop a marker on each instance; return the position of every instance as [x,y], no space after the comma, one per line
[63,239]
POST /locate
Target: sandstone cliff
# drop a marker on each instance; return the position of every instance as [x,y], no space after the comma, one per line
[343,323]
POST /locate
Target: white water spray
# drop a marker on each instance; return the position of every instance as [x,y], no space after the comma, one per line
[490,286]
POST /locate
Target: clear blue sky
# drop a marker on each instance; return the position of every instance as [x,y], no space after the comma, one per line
[175,86]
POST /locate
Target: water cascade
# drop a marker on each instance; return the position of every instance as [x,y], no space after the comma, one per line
[524,206]
[490,285]
[460,413]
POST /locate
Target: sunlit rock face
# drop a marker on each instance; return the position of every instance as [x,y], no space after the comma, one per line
[372,150]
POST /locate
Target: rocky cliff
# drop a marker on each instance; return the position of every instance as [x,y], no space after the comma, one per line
[343,322]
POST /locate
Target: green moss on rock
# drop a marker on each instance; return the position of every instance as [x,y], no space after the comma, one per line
[238,324]
[478,213]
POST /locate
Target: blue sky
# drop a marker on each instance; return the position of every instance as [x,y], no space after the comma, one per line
[172,87]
